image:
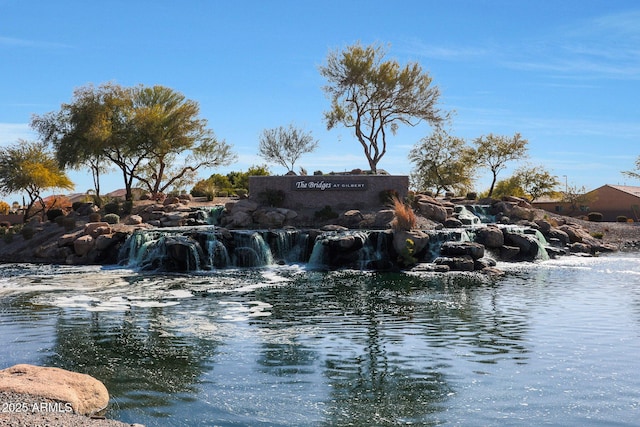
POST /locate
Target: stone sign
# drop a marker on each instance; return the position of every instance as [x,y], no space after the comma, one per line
[327,184]
[337,191]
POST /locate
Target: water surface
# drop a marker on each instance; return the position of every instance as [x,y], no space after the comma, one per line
[552,343]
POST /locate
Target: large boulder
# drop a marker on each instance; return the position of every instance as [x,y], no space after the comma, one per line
[83,245]
[431,209]
[85,394]
[490,236]
[419,238]
[455,249]
[350,218]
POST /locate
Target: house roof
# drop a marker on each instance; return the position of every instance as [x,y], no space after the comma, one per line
[634,191]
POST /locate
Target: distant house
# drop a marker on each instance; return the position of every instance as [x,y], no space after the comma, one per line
[612,201]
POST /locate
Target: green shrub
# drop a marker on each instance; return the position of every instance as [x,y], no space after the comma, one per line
[241,192]
[112,207]
[621,218]
[111,218]
[127,207]
[597,234]
[223,193]
[318,172]
[95,217]
[594,216]
[52,214]
[472,195]
[326,213]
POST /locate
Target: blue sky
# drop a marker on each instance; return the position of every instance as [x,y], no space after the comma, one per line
[564,74]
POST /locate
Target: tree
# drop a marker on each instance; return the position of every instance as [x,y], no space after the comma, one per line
[285,146]
[143,131]
[80,130]
[28,166]
[636,173]
[374,96]
[442,162]
[165,126]
[495,151]
[536,182]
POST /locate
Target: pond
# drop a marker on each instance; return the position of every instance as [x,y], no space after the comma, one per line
[554,343]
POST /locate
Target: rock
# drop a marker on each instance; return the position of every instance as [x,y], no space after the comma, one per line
[452,223]
[559,236]
[472,249]
[463,263]
[579,247]
[490,236]
[333,227]
[544,226]
[269,218]
[83,244]
[244,205]
[94,229]
[509,253]
[86,394]
[239,219]
[350,218]
[528,244]
[575,233]
[432,209]
[133,220]
[383,218]
[172,200]
[420,240]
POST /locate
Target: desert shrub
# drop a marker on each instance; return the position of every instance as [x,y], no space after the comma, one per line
[4,208]
[112,207]
[52,214]
[241,192]
[111,218]
[405,217]
[325,213]
[269,197]
[223,193]
[317,173]
[621,218]
[594,216]
[27,232]
[127,207]
[94,217]
[386,196]
[472,195]
[76,205]
[597,234]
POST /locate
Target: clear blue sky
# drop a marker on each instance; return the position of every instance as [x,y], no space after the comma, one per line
[565,74]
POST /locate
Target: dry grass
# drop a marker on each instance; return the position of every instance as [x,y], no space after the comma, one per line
[405,218]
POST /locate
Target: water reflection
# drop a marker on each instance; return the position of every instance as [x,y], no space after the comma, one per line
[291,347]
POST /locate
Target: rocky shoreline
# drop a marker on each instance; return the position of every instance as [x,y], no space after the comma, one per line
[94,241]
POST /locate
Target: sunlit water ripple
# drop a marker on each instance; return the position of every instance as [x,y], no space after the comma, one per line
[552,343]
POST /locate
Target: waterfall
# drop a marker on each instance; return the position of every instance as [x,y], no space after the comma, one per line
[438,237]
[205,248]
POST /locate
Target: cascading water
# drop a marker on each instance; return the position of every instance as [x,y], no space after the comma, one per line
[206,248]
